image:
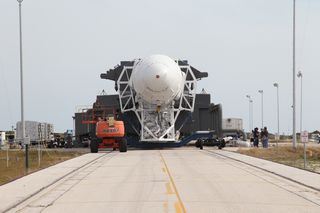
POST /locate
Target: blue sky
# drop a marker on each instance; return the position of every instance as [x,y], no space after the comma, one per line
[244,45]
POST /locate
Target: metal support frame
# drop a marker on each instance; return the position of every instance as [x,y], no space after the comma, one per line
[144,111]
[126,95]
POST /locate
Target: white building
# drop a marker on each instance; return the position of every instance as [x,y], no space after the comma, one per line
[36,131]
[232,124]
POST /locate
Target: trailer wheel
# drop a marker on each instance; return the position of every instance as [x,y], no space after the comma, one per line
[94,146]
[198,143]
[201,144]
[222,144]
[123,145]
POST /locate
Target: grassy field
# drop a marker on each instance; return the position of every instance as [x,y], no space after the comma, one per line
[16,163]
[288,156]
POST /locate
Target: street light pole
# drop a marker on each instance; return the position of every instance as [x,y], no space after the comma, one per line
[299,75]
[304,144]
[278,120]
[249,101]
[21,87]
[294,143]
[261,92]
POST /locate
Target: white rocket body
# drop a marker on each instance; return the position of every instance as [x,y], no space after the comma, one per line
[157,80]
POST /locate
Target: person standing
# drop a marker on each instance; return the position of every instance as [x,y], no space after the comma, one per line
[255,137]
[265,137]
[261,136]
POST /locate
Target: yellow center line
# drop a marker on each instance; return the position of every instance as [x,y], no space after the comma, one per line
[165,206]
[169,189]
[179,205]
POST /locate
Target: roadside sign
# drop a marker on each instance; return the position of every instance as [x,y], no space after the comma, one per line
[26,140]
[304,137]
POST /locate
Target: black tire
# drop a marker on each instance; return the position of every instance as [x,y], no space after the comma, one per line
[198,143]
[94,146]
[123,147]
[201,144]
[222,144]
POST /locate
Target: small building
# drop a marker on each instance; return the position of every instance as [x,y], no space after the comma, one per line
[36,131]
[233,127]
[232,123]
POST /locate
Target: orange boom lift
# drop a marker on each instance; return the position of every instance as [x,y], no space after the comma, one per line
[110,132]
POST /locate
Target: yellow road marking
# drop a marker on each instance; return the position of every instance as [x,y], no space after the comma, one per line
[169,189]
[165,206]
[164,170]
[178,205]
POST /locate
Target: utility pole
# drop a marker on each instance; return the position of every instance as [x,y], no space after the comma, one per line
[299,75]
[278,120]
[294,139]
[250,101]
[261,92]
[25,142]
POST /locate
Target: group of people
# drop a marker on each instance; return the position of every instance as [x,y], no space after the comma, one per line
[263,135]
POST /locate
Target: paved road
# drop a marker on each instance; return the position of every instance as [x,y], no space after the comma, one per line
[177,180]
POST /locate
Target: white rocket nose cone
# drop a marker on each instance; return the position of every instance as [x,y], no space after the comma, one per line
[157,79]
